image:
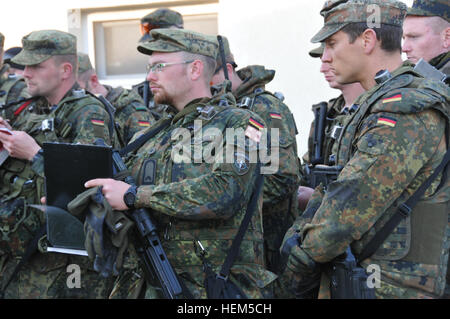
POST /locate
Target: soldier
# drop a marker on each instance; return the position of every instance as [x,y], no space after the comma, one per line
[12,88]
[196,201]
[59,112]
[279,206]
[426,33]
[130,113]
[13,68]
[336,112]
[391,144]
[161,18]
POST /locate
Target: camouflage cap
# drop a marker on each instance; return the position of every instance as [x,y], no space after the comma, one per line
[430,8]
[339,13]
[229,57]
[2,40]
[317,52]
[164,18]
[39,46]
[84,63]
[176,40]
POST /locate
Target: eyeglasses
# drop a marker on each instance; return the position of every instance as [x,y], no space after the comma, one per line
[158,67]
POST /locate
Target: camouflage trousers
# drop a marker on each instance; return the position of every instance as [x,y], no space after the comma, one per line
[56,276]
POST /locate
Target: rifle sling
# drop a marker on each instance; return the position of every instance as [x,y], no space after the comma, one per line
[141,140]
[234,250]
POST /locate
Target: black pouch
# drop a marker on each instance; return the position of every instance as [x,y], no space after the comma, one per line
[218,287]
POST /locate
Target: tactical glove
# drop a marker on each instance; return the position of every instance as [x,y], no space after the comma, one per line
[106,230]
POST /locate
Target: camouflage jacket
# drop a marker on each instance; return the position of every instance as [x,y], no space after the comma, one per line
[12,88]
[198,194]
[442,62]
[78,118]
[130,113]
[389,147]
[280,187]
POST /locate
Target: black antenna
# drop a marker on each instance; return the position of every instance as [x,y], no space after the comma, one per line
[222,56]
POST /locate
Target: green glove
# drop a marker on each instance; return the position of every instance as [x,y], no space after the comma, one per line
[106,230]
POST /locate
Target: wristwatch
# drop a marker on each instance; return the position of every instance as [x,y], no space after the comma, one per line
[130,196]
[38,155]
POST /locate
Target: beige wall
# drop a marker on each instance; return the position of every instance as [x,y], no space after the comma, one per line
[272,33]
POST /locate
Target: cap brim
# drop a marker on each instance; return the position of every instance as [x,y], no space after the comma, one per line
[157,46]
[316,53]
[418,12]
[146,37]
[26,58]
[327,31]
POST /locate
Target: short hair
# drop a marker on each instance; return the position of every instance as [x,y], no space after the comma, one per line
[437,24]
[389,35]
[84,77]
[72,59]
[209,64]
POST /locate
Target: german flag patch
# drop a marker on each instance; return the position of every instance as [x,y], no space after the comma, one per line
[394,98]
[275,116]
[387,121]
[98,122]
[144,123]
[256,124]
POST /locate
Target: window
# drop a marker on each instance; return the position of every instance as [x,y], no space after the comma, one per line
[110,37]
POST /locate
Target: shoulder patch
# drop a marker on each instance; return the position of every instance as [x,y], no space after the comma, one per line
[389,121]
[276,116]
[98,122]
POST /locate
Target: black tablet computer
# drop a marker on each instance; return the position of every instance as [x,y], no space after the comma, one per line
[68,166]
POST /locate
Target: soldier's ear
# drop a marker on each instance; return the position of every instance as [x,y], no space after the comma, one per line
[446,38]
[66,70]
[196,70]
[368,40]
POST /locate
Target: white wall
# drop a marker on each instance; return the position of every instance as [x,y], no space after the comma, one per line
[275,34]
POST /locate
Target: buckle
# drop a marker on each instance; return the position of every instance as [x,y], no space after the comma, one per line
[404,210]
[220,276]
[47,125]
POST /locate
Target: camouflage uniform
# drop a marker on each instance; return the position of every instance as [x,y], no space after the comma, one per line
[438,8]
[280,187]
[442,63]
[199,200]
[403,121]
[130,114]
[12,88]
[78,118]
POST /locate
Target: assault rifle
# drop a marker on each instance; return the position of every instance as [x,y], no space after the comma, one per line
[149,246]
